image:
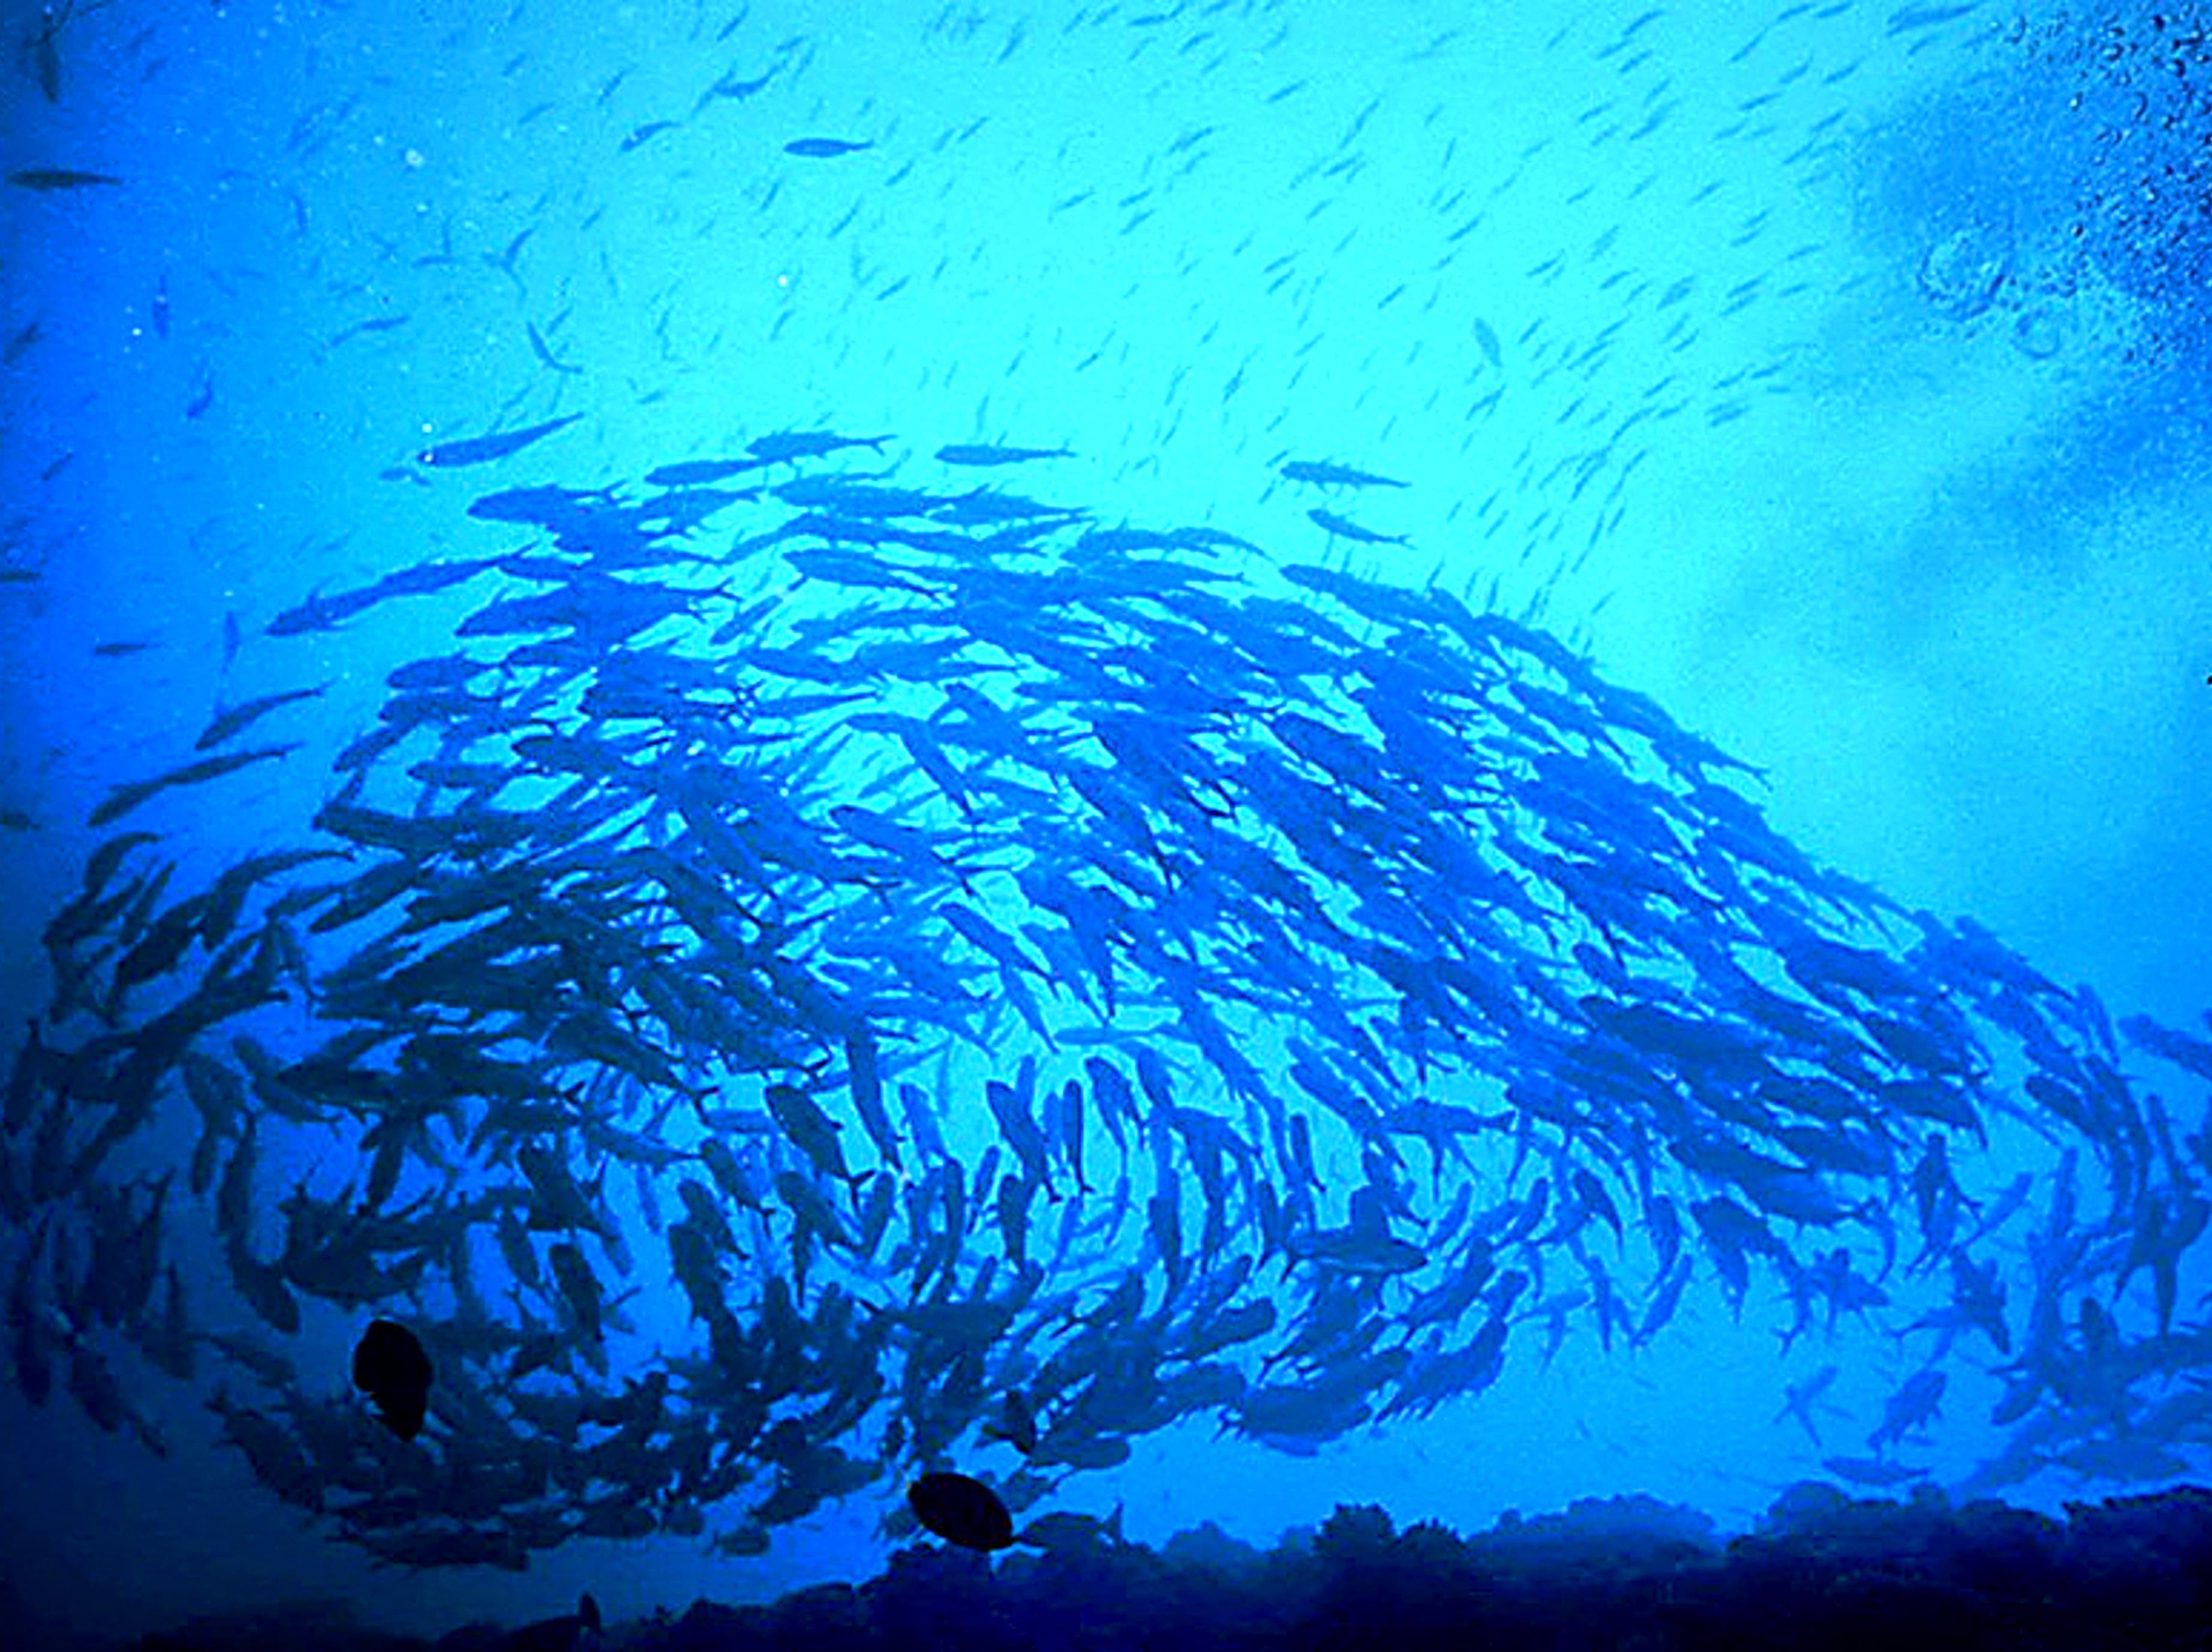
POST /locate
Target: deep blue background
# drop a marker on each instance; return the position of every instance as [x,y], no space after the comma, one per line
[1658,310]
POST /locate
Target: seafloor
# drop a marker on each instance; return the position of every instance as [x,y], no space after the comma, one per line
[1822,1570]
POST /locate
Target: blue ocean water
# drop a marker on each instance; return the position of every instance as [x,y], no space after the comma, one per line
[1252,756]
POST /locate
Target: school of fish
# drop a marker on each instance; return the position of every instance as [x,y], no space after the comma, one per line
[1027,982]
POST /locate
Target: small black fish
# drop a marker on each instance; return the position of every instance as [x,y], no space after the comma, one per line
[1342,527]
[822,149]
[786,446]
[543,352]
[49,179]
[233,719]
[647,133]
[731,87]
[986,453]
[374,323]
[482,450]
[697,473]
[46,57]
[122,799]
[962,1510]
[1323,474]
[391,1368]
[1488,339]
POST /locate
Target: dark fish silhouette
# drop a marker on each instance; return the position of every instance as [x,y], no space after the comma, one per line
[647,133]
[482,450]
[234,718]
[46,57]
[962,1510]
[122,799]
[695,472]
[822,148]
[783,447]
[1343,528]
[1488,339]
[390,1367]
[543,352]
[1323,474]
[374,323]
[987,453]
[46,179]
[731,87]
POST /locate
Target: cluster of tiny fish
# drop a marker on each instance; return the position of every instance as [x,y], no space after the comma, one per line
[1027,982]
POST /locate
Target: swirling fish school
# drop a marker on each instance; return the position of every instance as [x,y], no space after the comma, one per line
[1025,985]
